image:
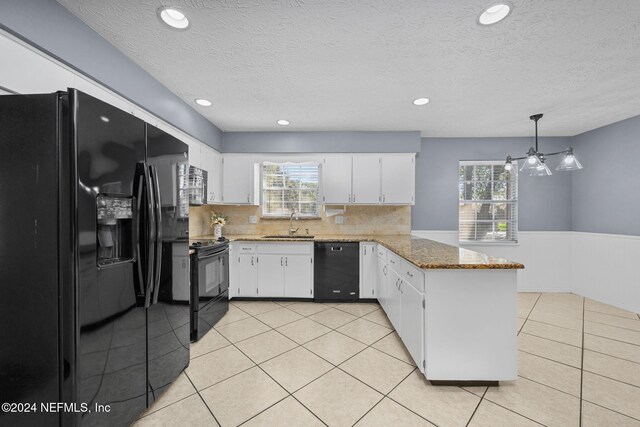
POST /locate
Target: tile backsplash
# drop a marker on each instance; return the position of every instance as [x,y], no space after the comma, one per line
[357,220]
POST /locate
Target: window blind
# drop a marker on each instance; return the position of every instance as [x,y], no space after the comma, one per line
[488,202]
[288,186]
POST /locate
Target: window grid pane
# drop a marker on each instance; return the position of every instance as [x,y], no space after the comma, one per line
[289,186]
[488,204]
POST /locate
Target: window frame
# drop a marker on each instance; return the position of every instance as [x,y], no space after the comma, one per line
[263,200]
[513,201]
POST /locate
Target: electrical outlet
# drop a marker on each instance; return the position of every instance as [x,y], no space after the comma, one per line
[253,219]
[339,219]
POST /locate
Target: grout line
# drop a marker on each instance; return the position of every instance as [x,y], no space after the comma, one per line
[615,326]
[517,413]
[551,324]
[548,386]
[612,410]
[615,315]
[582,361]
[551,339]
[528,314]
[613,379]
[202,398]
[611,355]
[477,406]
[613,339]
[551,360]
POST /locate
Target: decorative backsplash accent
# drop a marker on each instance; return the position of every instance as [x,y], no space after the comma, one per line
[383,220]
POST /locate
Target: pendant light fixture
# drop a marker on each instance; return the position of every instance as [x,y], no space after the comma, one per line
[535,162]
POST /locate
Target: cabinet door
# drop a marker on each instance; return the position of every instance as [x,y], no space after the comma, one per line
[412,322]
[336,179]
[393,299]
[381,282]
[246,276]
[271,273]
[237,180]
[298,276]
[398,179]
[212,162]
[368,271]
[195,154]
[366,179]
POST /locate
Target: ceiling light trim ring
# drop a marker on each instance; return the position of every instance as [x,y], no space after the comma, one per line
[164,14]
[491,16]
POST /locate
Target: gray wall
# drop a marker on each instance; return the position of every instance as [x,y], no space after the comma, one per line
[606,193]
[544,202]
[321,142]
[51,28]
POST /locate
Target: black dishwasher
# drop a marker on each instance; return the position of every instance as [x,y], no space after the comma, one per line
[336,273]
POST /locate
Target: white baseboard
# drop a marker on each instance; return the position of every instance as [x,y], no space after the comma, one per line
[596,265]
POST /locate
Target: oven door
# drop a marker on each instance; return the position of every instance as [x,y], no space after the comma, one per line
[213,276]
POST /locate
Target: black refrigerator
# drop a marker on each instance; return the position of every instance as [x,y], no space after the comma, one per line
[92,199]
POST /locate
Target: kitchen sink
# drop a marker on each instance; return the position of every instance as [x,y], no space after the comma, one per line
[286,236]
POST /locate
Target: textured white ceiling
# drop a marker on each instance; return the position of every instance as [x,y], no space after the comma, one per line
[358,64]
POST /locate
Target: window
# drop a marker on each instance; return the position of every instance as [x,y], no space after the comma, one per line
[289,186]
[488,196]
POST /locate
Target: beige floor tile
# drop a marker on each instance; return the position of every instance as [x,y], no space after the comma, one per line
[393,346]
[556,319]
[286,303]
[597,416]
[553,374]
[187,412]
[612,347]
[333,318]
[265,346]
[335,347]
[358,309]
[524,308]
[303,330]
[364,331]
[256,307]
[611,394]
[519,323]
[288,412]
[477,390]
[566,299]
[537,402]
[613,332]
[234,314]
[377,369]
[491,415]
[600,307]
[388,413]
[559,309]
[555,333]
[242,329]
[212,340]
[338,399]
[554,350]
[441,405]
[308,308]
[296,368]
[611,320]
[278,317]
[379,317]
[217,366]
[612,367]
[239,398]
[528,296]
[180,389]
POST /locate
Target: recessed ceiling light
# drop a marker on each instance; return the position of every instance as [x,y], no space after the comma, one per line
[203,102]
[494,14]
[104,119]
[421,101]
[173,17]
[283,122]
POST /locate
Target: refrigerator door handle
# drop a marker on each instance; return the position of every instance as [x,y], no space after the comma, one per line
[138,184]
[158,212]
[151,236]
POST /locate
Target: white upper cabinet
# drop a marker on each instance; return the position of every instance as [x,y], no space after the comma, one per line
[239,180]
[336,178]
[398,173]
[366,179]
[211,161]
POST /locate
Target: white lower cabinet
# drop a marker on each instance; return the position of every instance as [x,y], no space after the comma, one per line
[368,270]
[271,270]
[392,296]
[412,321]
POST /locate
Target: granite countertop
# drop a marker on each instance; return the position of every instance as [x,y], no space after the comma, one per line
[423,253]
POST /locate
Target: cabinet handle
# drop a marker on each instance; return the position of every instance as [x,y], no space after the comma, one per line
[281,261]
[384,270]
[392,261]
[286,261]
[354,197]
[349,198]
[383,198]
[251,260]
[248,197]
[365,250]
[409,274]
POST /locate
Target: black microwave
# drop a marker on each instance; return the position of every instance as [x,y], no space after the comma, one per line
[197,186]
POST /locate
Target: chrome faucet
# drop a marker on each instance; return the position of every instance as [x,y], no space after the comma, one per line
[292,230]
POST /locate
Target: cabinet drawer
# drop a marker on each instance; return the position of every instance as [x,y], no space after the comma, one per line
[382,252]
[302,248]
[412,274]
[394,261]
[245,247]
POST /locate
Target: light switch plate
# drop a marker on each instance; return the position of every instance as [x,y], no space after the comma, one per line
[253,219]
[339,219]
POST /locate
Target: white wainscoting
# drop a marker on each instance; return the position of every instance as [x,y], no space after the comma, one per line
[546,256]
[603,267]
[606,268]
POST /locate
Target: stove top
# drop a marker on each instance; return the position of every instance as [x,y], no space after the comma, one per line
[207,243]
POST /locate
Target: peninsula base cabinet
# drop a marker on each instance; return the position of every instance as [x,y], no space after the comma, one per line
[368,270]
[271,270]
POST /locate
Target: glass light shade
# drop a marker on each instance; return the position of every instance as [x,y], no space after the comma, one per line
[531,163]
[541,170]
[569,163]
